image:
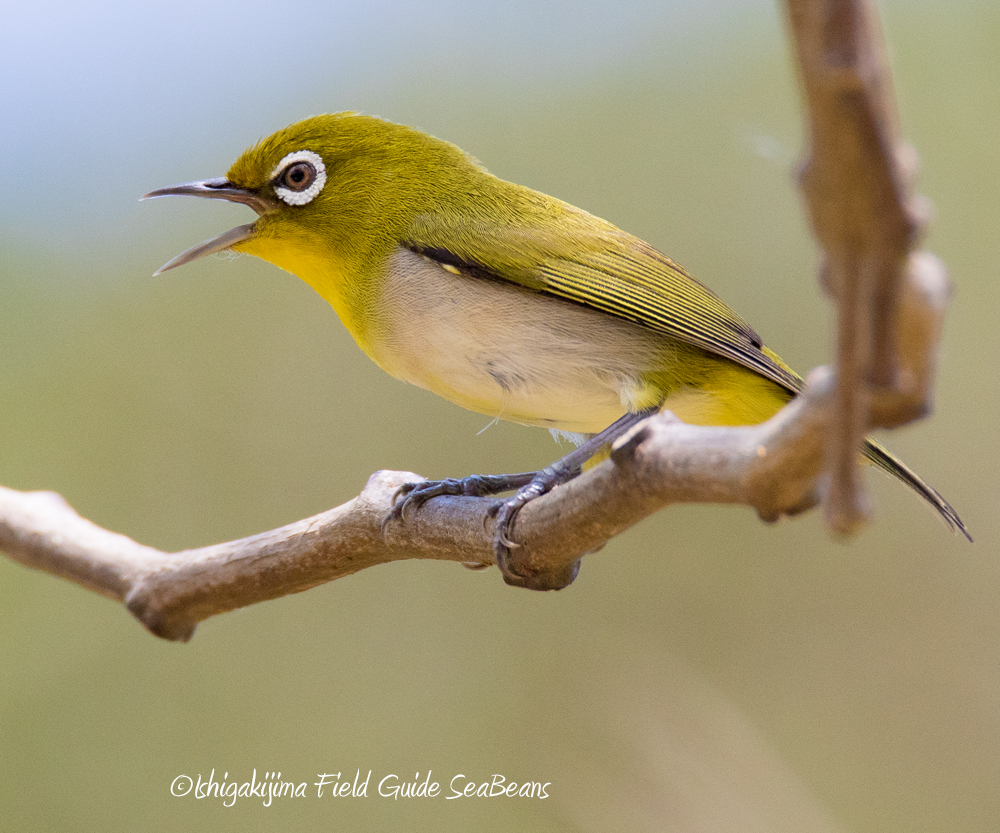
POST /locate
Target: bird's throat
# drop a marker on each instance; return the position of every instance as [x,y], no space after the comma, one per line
[324,272]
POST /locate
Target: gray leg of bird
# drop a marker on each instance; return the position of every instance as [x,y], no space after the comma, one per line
[561,471]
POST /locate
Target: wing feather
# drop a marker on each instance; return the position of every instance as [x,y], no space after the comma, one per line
[573,255]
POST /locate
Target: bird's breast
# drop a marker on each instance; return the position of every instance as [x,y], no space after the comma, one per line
[505,351]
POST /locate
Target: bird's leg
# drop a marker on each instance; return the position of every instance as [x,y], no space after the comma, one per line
[561,471]
[529,485]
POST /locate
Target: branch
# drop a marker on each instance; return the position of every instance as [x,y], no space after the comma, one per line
[857,184]
[772,467]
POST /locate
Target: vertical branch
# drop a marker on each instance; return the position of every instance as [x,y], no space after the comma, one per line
[856,182]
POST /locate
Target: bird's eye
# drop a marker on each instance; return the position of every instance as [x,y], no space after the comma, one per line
[299,177]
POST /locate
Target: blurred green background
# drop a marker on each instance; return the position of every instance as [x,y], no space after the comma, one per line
[705,672]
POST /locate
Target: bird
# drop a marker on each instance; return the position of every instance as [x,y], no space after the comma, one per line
[499,298]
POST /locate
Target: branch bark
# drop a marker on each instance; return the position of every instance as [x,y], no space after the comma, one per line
[890,301]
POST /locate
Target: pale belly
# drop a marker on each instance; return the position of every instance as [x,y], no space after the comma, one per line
[506,352]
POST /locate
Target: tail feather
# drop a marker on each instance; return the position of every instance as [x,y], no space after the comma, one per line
[882,459]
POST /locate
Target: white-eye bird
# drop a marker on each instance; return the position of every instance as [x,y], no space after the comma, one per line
[498,298]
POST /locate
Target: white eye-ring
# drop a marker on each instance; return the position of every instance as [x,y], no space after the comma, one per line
[299,177]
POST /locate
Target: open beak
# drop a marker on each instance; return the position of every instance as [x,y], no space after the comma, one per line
[216,189]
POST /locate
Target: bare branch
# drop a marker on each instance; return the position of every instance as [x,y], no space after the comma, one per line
[772,467]
[857,184]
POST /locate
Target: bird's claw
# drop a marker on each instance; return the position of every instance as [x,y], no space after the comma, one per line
[411,496]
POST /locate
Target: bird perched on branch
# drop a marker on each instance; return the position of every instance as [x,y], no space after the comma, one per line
[498,298]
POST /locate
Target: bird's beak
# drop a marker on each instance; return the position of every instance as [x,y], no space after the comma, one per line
[216,189]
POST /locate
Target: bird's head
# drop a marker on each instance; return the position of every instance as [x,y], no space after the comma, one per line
[329,189]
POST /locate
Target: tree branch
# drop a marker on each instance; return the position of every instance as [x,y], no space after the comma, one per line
[772,467]
[856,181]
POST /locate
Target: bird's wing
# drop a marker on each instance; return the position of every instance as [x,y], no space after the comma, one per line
[580,258]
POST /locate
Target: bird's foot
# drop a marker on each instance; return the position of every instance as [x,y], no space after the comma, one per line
[529,485]
[411,496]
[506,510]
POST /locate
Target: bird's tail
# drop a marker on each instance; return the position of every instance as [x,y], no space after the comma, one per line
[882,459]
